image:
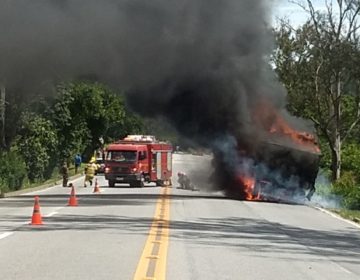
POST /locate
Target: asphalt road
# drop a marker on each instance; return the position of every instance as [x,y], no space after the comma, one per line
[210,237]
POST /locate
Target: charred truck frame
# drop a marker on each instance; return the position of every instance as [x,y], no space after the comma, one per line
[138,159]
[288,173]
[279,169]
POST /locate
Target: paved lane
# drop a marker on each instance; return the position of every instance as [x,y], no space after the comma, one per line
[216,238]
[102,238]
[210,237]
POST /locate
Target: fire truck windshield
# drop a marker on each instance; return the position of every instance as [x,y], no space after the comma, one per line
[121,156]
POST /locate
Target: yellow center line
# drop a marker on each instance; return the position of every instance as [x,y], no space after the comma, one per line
[152,263]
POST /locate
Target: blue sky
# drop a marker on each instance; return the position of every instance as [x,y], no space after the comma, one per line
[282,8]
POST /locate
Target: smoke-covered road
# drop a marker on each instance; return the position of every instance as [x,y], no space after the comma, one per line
[210,237]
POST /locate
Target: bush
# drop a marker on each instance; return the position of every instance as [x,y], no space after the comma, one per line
[348,188]
[12,171]
[351,157]
[36,143]
[352,201]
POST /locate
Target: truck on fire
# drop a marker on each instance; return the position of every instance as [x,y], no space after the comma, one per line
[137,159]
[282,168]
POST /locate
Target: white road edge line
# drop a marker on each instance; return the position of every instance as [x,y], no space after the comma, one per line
[51,187]
[5,234]
[51,214]
[40,191]
[342,268]
[337,216]
[54,212]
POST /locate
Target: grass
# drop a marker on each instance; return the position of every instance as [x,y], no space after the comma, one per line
[352,215]
[324,190]
[54,179]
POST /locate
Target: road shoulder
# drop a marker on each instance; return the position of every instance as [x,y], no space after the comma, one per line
[337,216]
[41,187]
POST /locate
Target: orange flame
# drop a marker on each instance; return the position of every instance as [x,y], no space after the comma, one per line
[270,119]
[302,138]
[249,186]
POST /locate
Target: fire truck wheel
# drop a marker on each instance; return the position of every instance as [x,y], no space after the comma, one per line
[159,183]
[111,184]
[137,184]
[140,183]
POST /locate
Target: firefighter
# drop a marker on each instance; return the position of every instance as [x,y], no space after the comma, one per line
[65,174]
[184,181]
[180,180]
[90,171]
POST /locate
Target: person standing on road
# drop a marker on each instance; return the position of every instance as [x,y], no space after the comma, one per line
[77,162]
[90,170]
[65,174]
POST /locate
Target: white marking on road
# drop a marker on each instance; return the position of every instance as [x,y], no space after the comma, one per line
[342,268]
[57,184]
[337,217]
[5,234]
[51,214]
[54,212]
[38,191]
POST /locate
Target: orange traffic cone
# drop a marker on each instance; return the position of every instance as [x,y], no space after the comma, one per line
[36,217]
[96,187]
[72,199]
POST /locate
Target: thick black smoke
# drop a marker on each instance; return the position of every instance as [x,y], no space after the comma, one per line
[200,63]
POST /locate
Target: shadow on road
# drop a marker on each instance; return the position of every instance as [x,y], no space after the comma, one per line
[254,235]
[266,239]
[55,200]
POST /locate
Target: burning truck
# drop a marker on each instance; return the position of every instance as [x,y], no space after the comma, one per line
[282,166]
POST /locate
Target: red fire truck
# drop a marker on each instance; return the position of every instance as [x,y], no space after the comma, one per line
[137,159]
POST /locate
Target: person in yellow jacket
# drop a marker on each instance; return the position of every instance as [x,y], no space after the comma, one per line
[90,170]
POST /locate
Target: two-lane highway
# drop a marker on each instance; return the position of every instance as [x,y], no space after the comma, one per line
[171,234]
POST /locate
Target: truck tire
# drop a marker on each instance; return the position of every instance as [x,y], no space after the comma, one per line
[141,182]
[111,184]
[159,183]
[137,184]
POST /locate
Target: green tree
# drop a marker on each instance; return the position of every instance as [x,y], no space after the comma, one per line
[12,171]
[319,65]
[351,158]
[37,143]
[71,130]
[83,113]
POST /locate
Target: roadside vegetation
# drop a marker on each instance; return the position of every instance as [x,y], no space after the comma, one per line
[351,215]
[319,64]
[78,118]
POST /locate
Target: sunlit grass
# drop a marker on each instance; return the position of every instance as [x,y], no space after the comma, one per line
[353,215]
[56,178]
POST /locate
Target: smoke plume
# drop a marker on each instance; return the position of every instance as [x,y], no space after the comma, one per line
[200,63]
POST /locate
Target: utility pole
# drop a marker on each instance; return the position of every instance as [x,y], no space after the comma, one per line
[2,116]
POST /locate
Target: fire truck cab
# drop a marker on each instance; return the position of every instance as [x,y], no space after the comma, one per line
[137,159]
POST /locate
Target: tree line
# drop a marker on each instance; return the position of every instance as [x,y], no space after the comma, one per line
[319,64]
[40,135]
